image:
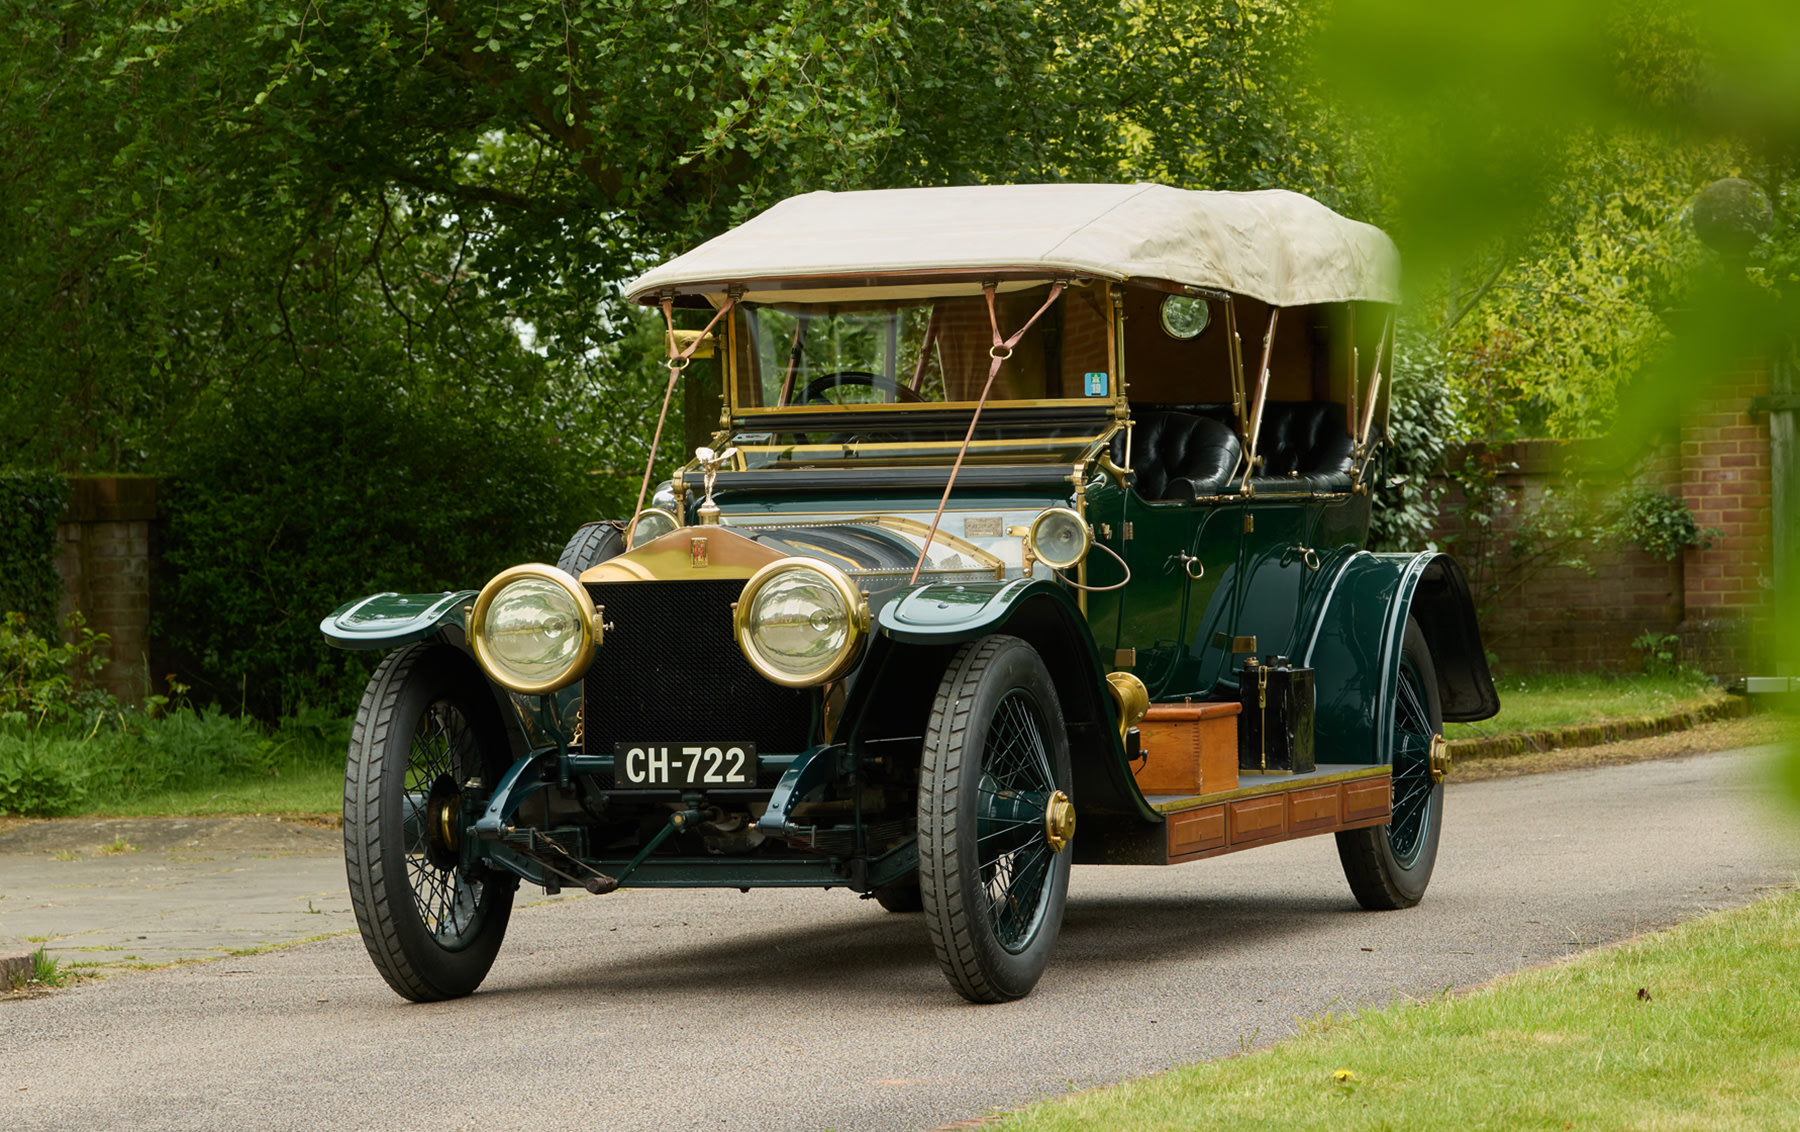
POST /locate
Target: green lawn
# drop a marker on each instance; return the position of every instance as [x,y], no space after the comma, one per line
[1561,699]
[293,789]
[1714,1045]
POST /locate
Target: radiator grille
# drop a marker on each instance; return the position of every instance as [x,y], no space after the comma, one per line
[670,671]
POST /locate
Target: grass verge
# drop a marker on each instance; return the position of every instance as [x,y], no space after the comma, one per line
[1540,701]
[181,763]
[1696,1027]
[1723,735]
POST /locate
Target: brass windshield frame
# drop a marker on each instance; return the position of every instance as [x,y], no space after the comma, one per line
[734,411]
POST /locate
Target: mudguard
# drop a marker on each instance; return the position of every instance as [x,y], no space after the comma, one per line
[950,613]
[389,620]
[1354,649]
[1044,614]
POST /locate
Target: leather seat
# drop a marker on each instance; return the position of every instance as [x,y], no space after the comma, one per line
[1181,455]
[1305,448]
[1183,451]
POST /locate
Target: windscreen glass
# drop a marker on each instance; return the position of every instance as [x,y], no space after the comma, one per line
[919,351]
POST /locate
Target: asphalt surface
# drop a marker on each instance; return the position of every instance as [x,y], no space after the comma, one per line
[106,893]
[807,1010]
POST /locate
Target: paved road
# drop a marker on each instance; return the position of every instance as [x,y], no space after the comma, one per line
[651,1010]
[124,892]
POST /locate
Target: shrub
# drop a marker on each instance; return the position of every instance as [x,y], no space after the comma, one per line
[36,780]
[288,507]
[38,676]
[1657,521]
[1423,422]
[30,505]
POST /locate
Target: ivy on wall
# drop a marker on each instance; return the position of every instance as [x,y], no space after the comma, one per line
[31,503]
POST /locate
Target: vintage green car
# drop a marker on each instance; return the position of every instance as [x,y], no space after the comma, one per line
[1027,503]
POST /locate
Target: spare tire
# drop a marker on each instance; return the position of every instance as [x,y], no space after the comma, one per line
[590,545]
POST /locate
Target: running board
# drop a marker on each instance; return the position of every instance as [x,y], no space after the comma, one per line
[1263,810]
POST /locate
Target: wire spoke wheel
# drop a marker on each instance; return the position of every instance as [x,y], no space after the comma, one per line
[1015,854]
[994,820]
[1389,866]
[426,742]
[443,754]
[1413,785]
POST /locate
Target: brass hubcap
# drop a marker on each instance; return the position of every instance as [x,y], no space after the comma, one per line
[1440,758]
[443,825]
[1059,820]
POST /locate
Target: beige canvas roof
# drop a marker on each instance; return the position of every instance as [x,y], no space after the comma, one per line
[1277,246]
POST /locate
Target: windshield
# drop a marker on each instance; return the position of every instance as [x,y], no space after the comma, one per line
[919,351]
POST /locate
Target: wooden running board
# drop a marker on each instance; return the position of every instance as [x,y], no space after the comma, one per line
[1265,810]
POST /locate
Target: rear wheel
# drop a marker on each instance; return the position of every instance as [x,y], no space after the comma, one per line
[995,820]
[426,731]
[1390,865]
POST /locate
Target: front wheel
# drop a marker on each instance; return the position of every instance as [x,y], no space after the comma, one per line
[427,737]
[1388,866]
[995,820]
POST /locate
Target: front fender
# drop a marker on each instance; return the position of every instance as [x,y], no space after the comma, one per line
[1043,614]
[949,613]
[389,620]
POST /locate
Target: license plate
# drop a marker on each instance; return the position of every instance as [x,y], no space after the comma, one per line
[677,766]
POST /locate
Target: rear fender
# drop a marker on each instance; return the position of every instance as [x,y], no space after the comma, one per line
[921,622]
[1355,643]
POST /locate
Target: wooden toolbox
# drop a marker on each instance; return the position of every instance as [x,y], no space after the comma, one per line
[1189,749]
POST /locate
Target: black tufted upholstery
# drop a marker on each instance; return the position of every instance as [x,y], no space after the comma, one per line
[1181,455]
[1185,451]
[1304,447]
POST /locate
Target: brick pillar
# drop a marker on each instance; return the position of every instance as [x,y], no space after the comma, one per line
[103,557]
[1725,479]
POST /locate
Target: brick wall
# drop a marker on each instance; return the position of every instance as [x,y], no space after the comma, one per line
[1540,614]
[104,557]
[1537,611]
[1725,478]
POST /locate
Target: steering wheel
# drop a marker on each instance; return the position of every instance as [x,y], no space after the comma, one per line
[815,390]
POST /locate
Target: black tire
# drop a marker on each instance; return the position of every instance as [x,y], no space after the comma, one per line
[1389,866]
[426,726]
[902,896]
[590,545]
[996,739]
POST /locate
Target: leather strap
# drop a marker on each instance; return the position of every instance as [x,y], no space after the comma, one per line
[1000,351]
[678,361]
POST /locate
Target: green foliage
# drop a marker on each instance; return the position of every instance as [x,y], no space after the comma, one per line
[31,503]
[45,681]
[1658,522]
[35,780]
[1661,653]
[1424,422]
[43,971]
[291,507]
[46,970]
[51,771]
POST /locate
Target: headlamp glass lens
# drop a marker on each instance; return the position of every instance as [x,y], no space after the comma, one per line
[799,622]
[533,630]
[1060,538]
[650,525]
